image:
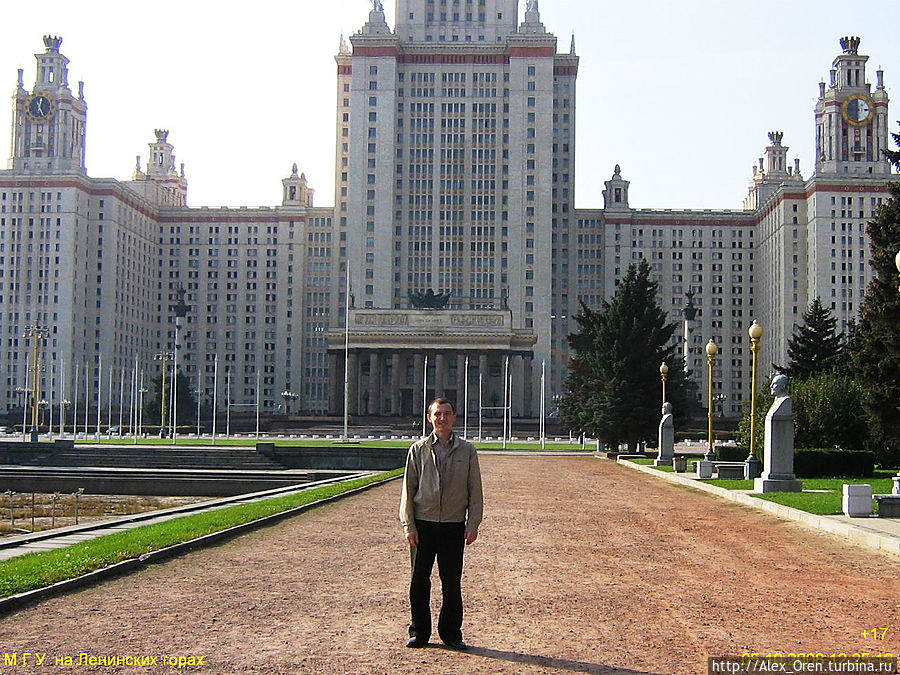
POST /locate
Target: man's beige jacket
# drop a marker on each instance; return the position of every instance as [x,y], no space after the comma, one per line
[458,500]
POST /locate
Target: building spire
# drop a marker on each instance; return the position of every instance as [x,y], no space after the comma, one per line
[850,45]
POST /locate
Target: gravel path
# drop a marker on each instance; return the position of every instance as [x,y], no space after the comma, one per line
[582,566]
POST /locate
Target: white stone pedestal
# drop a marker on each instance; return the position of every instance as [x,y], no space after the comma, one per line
[666,437]
[704,468]
[778,448]
[857,500]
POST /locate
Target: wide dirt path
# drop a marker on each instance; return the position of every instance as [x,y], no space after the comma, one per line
[581,566]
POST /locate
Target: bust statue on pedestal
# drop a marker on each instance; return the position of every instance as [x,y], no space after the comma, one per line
[778,448]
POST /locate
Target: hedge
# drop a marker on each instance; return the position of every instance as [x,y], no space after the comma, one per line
[831,462]
[814,462]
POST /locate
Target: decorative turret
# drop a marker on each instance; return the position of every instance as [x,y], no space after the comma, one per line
[296,191]
[771,172]
[161,183]
[615,196]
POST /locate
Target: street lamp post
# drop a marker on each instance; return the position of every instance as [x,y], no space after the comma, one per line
[663,372]
[756,333]
[36,333]
[711,351]
[43,406]
[66,404]
[288,396]
[164,357]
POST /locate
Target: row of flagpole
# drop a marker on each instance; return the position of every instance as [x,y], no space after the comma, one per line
[135,401]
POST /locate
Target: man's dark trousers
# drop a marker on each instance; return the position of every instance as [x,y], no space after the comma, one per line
[445,541]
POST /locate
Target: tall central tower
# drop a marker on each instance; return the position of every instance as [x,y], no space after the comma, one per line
[851,119]
[455,158]
[48,121]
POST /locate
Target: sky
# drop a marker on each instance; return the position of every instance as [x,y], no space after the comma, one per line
[681,94]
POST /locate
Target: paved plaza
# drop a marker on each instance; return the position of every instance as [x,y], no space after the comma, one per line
[581,566]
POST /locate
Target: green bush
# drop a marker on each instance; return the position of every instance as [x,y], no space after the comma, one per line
[828,412]
[832,462]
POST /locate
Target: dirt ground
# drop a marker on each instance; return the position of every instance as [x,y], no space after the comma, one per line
[58,510]
[581,566]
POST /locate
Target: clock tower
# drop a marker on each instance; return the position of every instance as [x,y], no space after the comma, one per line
[48,121]
[851,119]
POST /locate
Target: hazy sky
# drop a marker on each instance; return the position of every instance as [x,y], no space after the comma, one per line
[680,93]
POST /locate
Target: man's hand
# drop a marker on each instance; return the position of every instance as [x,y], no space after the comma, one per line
[471,537]
[413,538]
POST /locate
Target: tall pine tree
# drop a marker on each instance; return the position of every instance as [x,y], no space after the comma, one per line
[613,386]
[875,350]
[816,346]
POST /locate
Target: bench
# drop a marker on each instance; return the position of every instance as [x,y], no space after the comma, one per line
[729,470]
[888,505]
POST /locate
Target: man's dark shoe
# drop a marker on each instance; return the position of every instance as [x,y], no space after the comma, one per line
[416,643]
[456,645]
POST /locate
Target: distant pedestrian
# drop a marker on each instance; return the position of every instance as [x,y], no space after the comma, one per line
[440,509]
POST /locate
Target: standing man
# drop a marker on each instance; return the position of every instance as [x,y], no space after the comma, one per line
[440,509]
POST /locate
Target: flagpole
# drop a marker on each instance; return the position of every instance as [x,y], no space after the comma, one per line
[543,389]
[99,391]
[505,399]
[466,400]
[347,356]
[425,395]
[215,396]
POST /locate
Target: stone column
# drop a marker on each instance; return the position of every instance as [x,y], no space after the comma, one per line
[353,383]
[461,403]
[397,378]
[439,375]
[526,386]
[485,379]
[335,383]
[376,377]
[418,383]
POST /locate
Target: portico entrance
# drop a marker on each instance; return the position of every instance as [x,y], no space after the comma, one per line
[389,349]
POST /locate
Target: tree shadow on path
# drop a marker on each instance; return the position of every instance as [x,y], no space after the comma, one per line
[551,662]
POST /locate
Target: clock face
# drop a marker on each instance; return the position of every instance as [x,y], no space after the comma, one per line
[40,107]
[857,110]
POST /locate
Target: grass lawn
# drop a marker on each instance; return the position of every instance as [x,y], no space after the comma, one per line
[36,570]
[821,496]
[250,441]
[828,503]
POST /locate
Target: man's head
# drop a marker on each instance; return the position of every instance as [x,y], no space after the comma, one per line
[442,415]
[779,385]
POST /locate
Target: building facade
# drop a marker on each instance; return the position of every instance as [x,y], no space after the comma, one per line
[454,178]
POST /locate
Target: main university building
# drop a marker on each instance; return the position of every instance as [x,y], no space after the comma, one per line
[455,159]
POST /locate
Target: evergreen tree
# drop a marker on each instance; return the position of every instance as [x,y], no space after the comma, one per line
[816,346]
[613,387]
[875,354]
[187,403]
